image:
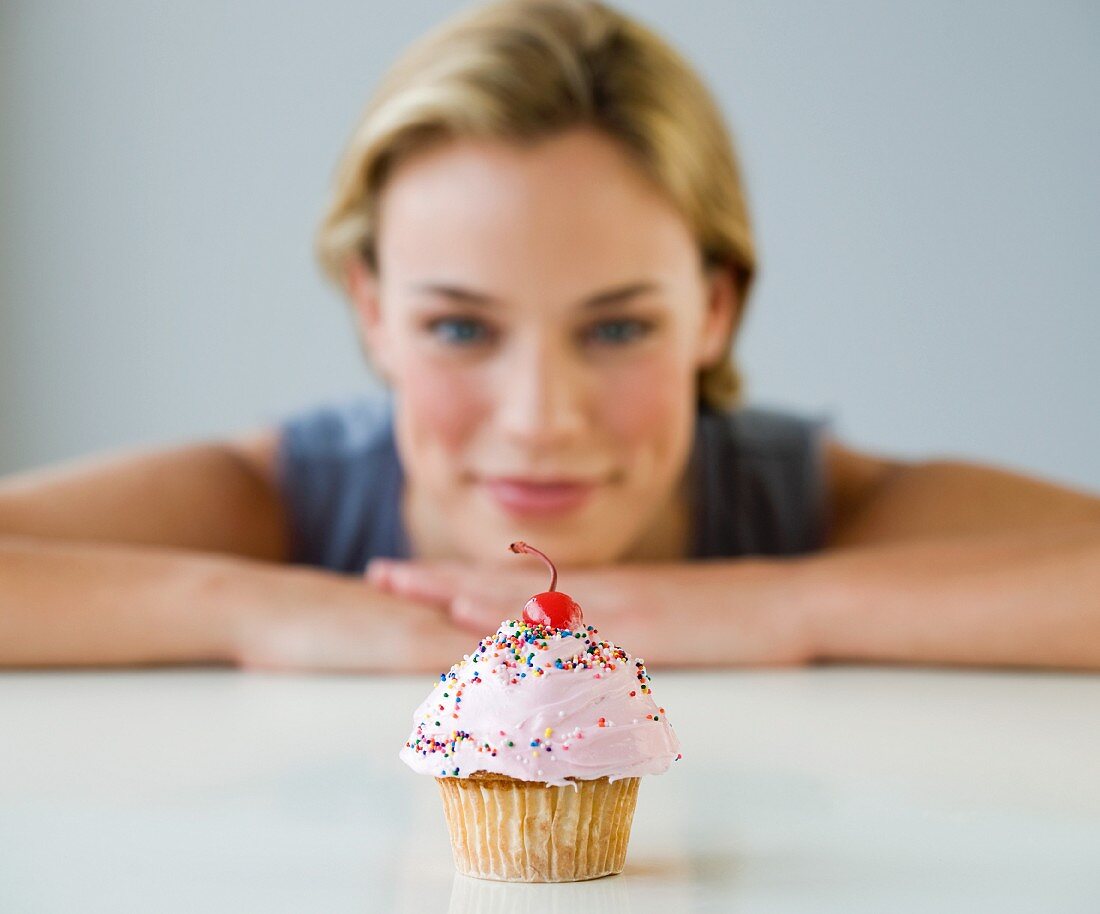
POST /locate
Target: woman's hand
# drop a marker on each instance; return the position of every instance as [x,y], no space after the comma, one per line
[1023,597]
[691,614]
[477,598]
[302,620]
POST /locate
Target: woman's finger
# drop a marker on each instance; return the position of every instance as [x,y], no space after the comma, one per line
[419,581]
[479,613]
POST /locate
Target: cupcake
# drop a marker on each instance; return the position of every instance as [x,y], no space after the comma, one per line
[538,739]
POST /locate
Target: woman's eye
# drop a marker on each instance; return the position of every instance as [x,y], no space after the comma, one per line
[460,331]
[617,332]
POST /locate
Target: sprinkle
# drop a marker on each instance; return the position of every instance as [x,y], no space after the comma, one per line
[516,651]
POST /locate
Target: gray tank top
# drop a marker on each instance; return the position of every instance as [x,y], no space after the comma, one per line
[757,478]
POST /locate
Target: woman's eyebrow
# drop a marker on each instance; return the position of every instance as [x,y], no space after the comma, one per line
[613,296]
[457,293]
[620,294]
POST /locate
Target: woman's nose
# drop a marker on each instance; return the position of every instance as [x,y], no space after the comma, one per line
[542,397]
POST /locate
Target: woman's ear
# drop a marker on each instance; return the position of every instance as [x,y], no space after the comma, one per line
[722,316]
[362,285]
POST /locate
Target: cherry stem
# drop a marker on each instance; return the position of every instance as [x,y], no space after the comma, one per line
[519,547]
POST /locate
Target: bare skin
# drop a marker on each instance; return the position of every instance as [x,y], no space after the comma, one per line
[176,557]
[936,563]
[543,314]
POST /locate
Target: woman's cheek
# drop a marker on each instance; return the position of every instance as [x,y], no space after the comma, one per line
[442,405]
[645,399]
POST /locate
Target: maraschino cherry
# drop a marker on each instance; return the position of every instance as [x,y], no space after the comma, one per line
[552,607]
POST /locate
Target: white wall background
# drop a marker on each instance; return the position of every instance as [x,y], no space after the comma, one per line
[924,179]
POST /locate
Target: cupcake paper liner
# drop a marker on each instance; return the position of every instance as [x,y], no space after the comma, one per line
[523,831]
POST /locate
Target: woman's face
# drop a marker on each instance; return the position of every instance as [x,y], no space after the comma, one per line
[541,314]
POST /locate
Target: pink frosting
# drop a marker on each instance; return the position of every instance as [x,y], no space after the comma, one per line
[542,704]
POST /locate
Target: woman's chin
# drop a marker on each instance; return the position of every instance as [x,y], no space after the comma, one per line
[571,543]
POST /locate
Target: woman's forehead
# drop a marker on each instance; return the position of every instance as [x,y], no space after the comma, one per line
[572,204]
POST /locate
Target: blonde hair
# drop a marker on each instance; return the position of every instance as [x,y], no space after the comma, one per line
[523,70]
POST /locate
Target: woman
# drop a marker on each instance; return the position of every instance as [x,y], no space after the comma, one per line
[541,229]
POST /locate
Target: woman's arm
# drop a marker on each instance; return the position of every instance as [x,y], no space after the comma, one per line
[65,603]
[1025,597]
[927,563]
[950,562]
[873,500]
[218,497]
[173,557]
[80,578]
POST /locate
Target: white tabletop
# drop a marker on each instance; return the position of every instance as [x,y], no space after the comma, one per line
[813,791]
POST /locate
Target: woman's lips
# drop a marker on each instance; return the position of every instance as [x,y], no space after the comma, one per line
[530,497]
